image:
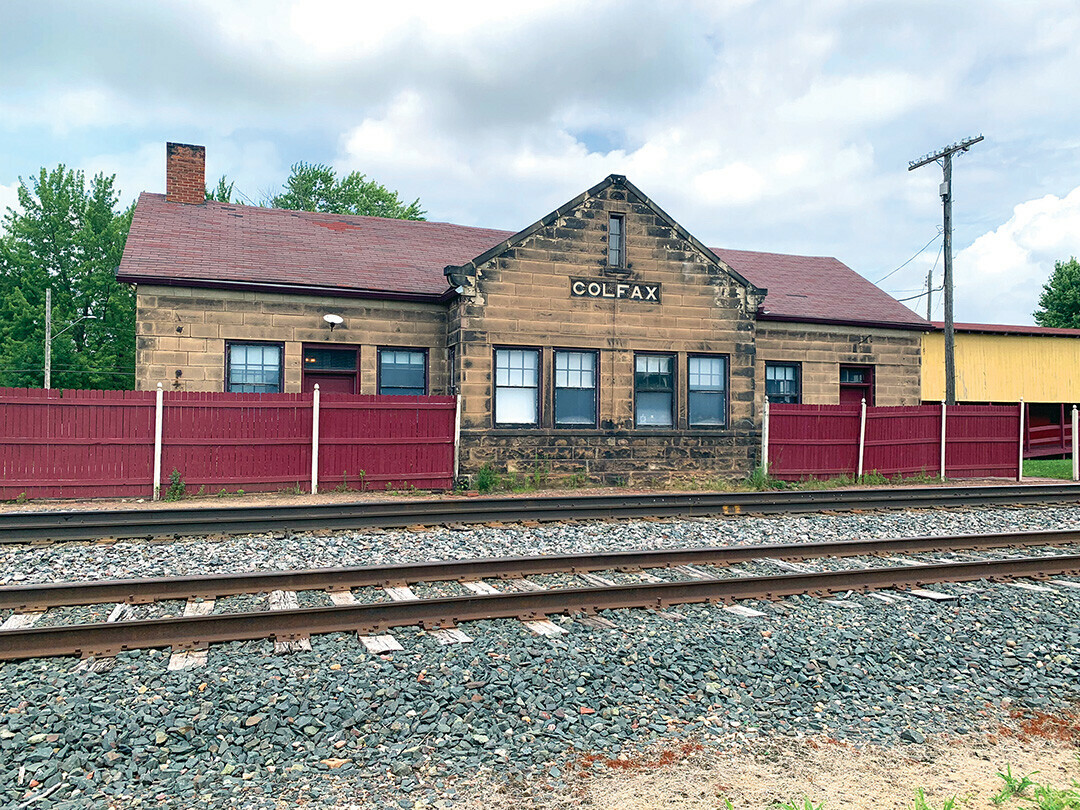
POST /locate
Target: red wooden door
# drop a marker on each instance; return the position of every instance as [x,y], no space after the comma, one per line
[856,384]
[330,383]
[853,394]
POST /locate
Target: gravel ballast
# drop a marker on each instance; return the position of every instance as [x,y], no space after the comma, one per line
[338,724]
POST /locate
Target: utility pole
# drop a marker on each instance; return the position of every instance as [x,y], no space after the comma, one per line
[929,291]
[48,336]
[945,157]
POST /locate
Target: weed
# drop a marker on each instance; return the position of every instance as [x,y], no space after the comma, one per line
[875,479]
[177,487]
[922,804]
[806,805]
[1014,785]
[223,493]
[344,485]
[239,492]
[21,498]
[1050,798]
[575,480]
[202,490]
[486,478]
[539,476]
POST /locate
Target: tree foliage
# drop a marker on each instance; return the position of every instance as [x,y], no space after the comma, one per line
[1059,304]
[222,193]
[315,187]
[67,235]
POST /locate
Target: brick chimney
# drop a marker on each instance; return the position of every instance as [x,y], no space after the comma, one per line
[185,173]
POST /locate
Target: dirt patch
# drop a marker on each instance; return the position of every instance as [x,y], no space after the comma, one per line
[758,775]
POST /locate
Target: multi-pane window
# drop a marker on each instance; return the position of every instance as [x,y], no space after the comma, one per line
[654,390]
[616,242]
[517,385]
[782,382]
[707,389]
[329,359]
[254,368]
[575,388]
[854,375]
[402,372]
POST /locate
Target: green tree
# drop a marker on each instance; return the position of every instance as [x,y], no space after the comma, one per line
[67,235]
[315,187]
[1059,304]
[223,192]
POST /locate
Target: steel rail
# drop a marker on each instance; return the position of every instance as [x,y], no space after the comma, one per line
[60,526]
[137,591]
[199,631]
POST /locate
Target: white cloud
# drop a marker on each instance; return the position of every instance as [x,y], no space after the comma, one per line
[781,126]
[1000,276]
[9,198]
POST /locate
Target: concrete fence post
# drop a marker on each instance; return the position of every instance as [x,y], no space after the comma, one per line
[1020,452]
[765,438]
[457,437]
[1075,446]
[862,437]
[942,476]
[159,407]
[315,440]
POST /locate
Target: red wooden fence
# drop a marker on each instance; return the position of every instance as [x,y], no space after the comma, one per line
[822,441]
[64,444]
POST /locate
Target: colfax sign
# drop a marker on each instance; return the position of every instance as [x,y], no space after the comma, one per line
[619,290]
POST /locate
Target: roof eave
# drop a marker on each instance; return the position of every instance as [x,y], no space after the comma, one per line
[288,289]
[915,327]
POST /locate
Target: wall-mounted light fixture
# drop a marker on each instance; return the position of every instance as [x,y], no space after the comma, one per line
[333,320]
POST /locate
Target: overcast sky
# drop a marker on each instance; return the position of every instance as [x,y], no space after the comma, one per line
[776,126]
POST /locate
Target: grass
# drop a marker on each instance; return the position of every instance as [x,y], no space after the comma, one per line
[1048,468]
[1018,788]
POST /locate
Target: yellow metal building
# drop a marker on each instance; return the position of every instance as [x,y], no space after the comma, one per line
[1004,364]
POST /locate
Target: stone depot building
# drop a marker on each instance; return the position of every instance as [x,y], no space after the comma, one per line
[602,339]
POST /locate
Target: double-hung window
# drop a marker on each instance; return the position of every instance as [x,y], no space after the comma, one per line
[575,388]
[707,388]
[254,368]
[517,386]
[782,382]
[654,390]
[402,372]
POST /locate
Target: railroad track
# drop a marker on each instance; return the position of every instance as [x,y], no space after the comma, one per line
[65,526]
[292,624]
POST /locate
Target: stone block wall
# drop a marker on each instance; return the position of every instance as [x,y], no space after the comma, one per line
[185,329]
[821,349]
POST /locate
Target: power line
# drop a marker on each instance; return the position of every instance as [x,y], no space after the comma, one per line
[920,295]
[909,261]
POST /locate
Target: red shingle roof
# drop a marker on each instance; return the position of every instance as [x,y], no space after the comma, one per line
[1005,329]
[247,244]
[817,288]
[223,242]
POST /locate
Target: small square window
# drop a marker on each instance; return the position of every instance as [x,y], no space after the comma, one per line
[402,372]
[782,383]
[254,368]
